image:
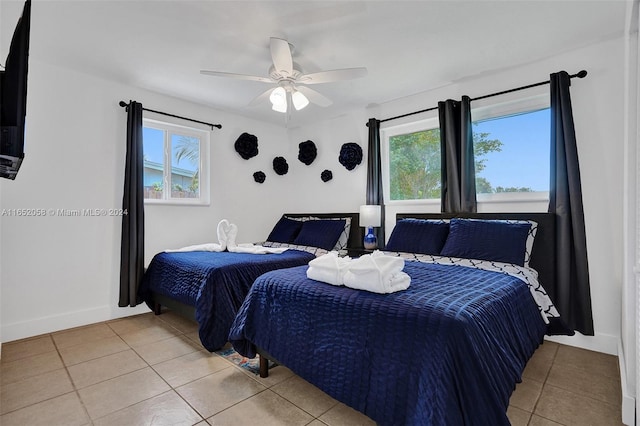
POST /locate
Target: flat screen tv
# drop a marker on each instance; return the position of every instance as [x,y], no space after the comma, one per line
[13,97]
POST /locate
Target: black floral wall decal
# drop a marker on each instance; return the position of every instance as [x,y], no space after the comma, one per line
[307,152]
[259,176]
[280,165]
[246,145]
[350,155]
[326,175]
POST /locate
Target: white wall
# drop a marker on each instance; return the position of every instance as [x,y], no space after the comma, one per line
[628,352]
[254,207]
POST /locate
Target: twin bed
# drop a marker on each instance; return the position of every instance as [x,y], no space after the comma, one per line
[209,287]
[447,350]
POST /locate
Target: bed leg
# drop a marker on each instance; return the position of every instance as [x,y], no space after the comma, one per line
[264,366]
[157,308]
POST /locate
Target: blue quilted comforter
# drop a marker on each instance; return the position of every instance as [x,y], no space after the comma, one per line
[214,283]
[446,351]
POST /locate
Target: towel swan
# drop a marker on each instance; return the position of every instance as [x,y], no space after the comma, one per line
[227,233]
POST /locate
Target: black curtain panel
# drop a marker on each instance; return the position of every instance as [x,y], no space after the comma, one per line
[132,249]
[374,176]
[571,295]
[458,164]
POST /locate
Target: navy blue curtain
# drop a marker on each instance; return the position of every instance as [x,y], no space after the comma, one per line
[572,294]
[458,165]
[132,248]
[374,176]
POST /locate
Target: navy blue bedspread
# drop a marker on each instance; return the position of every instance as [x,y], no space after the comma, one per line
[214,283]
[447,351]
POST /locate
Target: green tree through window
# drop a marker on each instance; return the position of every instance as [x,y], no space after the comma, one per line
[415,164]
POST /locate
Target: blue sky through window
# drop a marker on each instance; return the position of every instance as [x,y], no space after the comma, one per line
[154,149]
[524,159]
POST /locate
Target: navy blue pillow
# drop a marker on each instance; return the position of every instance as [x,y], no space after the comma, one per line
[320,233]
[493,240]
[418,236]
[285,231]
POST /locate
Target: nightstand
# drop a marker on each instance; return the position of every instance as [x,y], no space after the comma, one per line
[357,251]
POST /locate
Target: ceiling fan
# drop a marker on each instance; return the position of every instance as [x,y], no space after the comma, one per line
[291,81]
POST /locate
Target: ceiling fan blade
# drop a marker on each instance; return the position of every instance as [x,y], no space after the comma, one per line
[333,75]
[236,76]
[263,97]
[314,96]
[281,56]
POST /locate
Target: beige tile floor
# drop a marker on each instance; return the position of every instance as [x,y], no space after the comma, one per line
[151,369]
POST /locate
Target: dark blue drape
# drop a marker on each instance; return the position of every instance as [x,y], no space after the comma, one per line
[458,164]
[132,248]
[374,176]
[571,295]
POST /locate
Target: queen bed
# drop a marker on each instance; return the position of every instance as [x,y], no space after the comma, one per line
[209,287]
[447,350]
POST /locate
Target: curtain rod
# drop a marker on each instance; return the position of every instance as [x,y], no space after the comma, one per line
[219,126]
[580,74]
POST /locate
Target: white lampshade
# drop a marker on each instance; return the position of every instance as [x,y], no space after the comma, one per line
[370,215]
[299,100]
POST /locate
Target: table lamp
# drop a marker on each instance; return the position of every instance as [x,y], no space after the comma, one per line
[370,217]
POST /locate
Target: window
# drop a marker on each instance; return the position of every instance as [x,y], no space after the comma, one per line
[414,162]
[176,167]
[511,147]
[512,153]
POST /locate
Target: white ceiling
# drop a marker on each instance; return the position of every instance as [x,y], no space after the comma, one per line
[408,47]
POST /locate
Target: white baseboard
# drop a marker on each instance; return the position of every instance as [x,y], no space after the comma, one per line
[604,343]
[628,400]
[42,325]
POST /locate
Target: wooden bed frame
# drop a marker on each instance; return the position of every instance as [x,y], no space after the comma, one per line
[542,256]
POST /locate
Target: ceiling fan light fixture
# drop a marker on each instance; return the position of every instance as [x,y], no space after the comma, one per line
[278,99]
[299,100]
[292,90]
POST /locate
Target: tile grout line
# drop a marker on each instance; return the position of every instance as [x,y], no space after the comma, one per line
[544,383]
[73,384]
[172,389]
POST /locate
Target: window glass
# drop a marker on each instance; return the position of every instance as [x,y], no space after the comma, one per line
[175,163]
[511,147]
[414,165]
[512,153]
[153,147]
[185,166]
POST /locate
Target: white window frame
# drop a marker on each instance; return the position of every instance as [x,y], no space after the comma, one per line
[386,134]
[203,170]
[503,109]
[485,110]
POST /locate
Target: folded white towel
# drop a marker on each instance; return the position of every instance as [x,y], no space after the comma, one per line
[377,273]
[232,246]
[223,230]
[198,247]
[329,268]
[227,233]
[256,249]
